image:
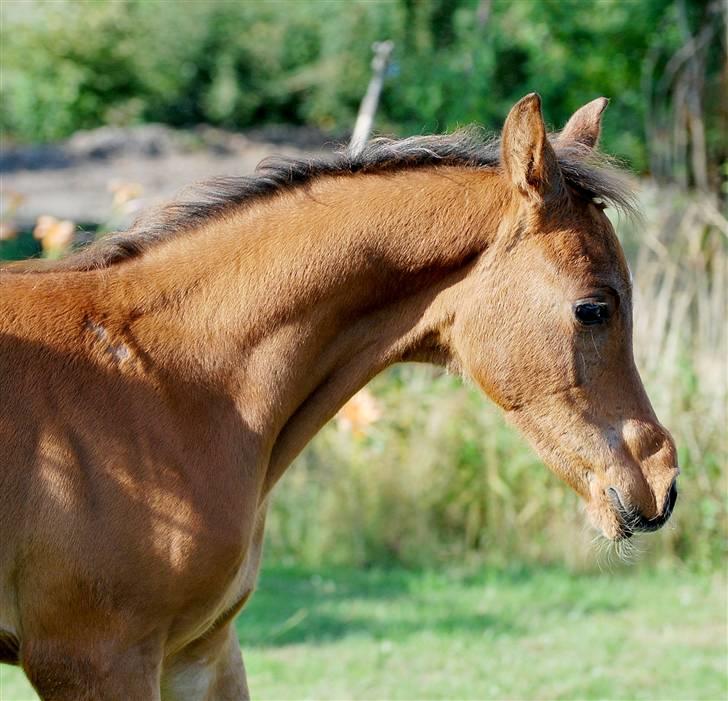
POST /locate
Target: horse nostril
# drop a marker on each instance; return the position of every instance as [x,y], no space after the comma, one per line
[671,498]
[634,521]
[616,498]
[626,526]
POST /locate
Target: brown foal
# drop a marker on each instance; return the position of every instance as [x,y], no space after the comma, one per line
[157,385]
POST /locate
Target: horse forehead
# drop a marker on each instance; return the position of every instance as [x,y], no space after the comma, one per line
[588,249]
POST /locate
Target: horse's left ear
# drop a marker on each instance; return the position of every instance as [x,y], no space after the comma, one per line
[527,156]
[585,124]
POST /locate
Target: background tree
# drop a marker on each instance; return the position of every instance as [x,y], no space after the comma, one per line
[69,65]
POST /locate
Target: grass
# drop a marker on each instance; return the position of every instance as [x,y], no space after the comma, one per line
[485,634]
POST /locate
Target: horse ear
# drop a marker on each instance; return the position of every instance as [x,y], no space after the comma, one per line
[585,124]
[526,154]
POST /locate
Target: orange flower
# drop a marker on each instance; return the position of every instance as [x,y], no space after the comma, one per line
[13,200]
[124,193]
[55,235]
[7,231]
[360,412]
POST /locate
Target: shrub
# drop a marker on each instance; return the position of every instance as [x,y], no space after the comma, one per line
[72,64]
[442,475]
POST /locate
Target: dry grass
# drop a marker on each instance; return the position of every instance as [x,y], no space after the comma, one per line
[681,346]
[441,475]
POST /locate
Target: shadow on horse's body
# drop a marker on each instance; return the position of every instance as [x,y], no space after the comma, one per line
[157,385]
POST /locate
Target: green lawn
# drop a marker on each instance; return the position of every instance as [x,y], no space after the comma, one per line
[527,634]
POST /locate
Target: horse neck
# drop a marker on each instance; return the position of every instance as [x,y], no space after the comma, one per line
[294,304]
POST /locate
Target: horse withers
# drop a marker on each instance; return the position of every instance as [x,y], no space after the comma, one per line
[156,385]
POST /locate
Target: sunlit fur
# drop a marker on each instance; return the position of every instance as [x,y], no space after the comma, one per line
[156,386]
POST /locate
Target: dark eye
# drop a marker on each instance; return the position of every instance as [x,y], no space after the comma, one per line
[589,313]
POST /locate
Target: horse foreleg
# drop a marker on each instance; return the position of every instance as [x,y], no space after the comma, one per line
[209,669]
[65,670]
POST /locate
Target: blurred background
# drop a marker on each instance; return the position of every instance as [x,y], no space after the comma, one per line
[418,543]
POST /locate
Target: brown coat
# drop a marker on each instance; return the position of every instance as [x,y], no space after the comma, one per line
[155,387]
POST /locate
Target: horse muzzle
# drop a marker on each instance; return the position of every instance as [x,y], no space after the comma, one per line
[632,521]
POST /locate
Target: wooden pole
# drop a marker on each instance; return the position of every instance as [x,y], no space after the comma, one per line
[368,108]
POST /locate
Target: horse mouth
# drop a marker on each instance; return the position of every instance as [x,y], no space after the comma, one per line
[632,521]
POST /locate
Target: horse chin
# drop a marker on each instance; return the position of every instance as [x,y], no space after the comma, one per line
[606,519]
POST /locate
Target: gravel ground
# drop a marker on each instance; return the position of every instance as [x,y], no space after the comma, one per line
[74,179]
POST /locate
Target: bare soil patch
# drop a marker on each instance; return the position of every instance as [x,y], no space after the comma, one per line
[73,179]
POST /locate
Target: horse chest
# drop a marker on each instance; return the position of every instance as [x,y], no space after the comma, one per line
[221,589]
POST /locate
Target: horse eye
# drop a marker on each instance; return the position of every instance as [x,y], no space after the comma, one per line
[591,313]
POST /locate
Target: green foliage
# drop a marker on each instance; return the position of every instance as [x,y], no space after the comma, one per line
[72,64]
[66,66]
[442,477]
[439,477]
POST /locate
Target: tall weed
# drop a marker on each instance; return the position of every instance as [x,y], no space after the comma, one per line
[441,475]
